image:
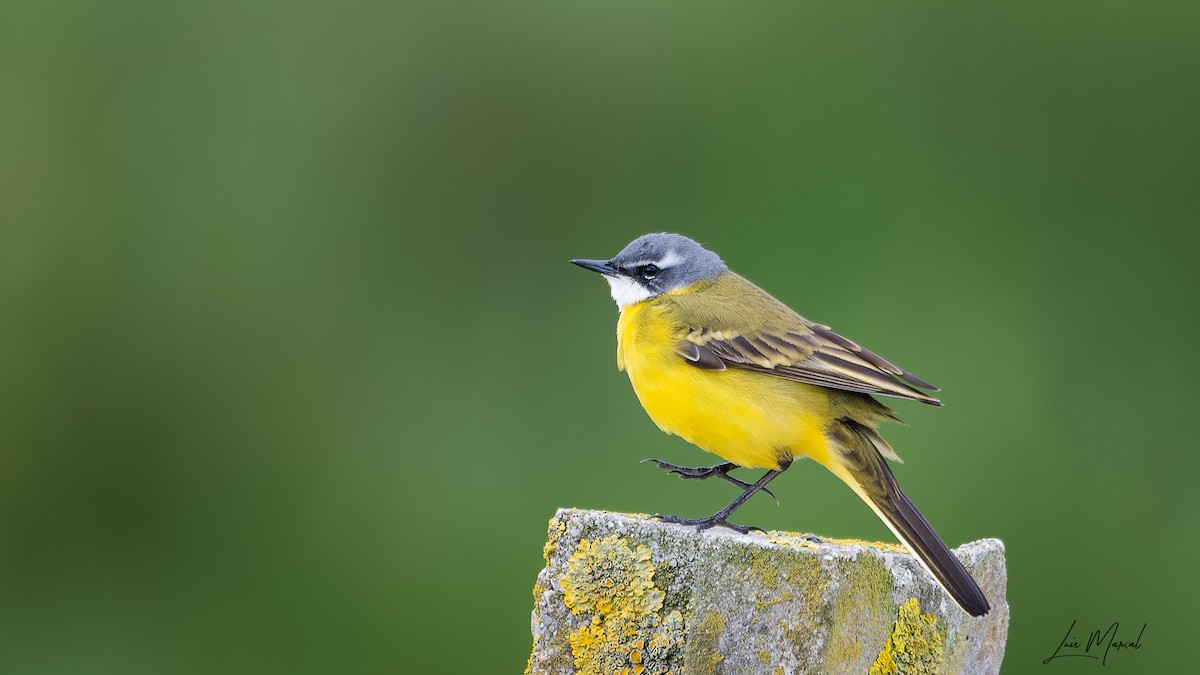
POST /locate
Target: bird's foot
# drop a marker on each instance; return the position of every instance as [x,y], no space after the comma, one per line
[702,472]
[697,472]
[714,520]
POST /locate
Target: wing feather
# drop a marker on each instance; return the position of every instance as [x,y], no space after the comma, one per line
[816,358]
[791,347]
[791,357]
[701,357]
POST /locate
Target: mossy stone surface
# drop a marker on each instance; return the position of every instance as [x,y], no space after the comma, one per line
[628,594]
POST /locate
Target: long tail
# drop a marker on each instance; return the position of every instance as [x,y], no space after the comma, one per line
[865,471]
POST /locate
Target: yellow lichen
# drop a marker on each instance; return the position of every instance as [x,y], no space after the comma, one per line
[885,546]
[537,603]
[771,569]
[917,644]
[613,582]
[865,591]
[704,652]
[553,533]
[794,540]
[783,597]
[608,576]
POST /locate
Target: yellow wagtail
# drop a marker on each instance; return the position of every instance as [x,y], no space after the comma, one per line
[717,361]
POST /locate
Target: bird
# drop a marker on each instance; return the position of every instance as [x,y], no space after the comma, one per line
[719,362]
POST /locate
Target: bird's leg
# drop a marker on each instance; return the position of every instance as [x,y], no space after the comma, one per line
[702,472]
[721,517]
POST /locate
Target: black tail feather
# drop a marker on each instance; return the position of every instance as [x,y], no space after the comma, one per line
[920,537]
[877,485]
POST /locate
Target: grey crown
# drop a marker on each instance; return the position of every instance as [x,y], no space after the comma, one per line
[694,261]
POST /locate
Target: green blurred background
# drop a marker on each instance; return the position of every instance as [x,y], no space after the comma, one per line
[293,369]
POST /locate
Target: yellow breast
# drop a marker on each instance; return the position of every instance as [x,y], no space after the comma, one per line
[747,418]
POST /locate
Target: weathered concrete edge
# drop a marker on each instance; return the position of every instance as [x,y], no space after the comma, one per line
[686,548]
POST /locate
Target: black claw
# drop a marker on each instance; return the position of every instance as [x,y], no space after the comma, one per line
[702,524]
[704,472]
[699,473]
[744,529]
[720,517]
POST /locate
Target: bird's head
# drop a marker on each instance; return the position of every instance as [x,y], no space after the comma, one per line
[655,264]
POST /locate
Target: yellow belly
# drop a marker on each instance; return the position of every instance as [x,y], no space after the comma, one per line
[747,418]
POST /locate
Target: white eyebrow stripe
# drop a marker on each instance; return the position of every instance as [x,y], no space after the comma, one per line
[671,259]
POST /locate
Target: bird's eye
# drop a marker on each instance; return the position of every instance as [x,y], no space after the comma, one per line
[649,271]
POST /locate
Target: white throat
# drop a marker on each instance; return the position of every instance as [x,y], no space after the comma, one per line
[626,292]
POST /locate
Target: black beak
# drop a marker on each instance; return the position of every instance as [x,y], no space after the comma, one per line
[601,266]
